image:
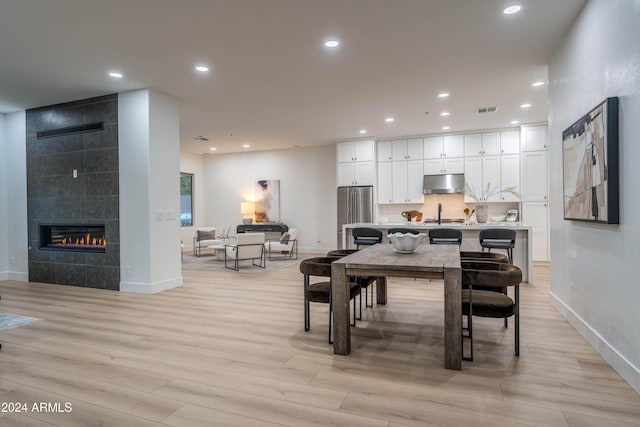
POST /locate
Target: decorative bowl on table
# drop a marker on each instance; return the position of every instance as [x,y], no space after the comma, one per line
[406,243]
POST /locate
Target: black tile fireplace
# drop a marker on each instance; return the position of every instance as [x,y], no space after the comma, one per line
[72,193]
[77,238]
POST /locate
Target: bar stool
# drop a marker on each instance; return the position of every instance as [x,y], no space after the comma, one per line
[445,236]
[366,236]
[498,238]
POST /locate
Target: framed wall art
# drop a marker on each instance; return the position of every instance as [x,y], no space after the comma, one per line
[590,166]
[267,207]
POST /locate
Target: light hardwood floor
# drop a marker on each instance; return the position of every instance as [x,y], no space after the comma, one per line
[230,349]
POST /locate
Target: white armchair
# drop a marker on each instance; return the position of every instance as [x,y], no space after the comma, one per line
[204,237]
[285,248]
[248,246]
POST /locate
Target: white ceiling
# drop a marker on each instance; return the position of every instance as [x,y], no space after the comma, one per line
[272,83]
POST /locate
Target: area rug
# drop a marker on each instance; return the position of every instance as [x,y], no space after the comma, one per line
[10,321]
[209,262]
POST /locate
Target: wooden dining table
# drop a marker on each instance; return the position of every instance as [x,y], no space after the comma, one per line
[382,261]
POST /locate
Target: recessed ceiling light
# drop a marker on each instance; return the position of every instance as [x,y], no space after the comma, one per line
[363,131]
[212,148]
[389,120]
[526,105]
[443,95]
[246,146]
[514,122]
[512,9]
[444,113]
[202,68]
[446,127]
[332,43]
[115,75]
[536,84]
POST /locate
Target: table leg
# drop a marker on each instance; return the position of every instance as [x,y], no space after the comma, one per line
[452,319]
[340,300]
[381,290]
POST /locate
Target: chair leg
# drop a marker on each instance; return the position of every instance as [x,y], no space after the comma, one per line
[360,299]
[330,316]
[517,320]
[470,327]
[354,313]
[307,319]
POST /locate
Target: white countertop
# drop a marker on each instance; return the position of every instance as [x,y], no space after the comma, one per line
[426,226]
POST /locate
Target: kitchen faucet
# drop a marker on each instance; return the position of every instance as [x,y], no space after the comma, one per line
[439,213]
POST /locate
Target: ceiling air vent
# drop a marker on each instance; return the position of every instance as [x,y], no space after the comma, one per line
[200,138]
[484,110]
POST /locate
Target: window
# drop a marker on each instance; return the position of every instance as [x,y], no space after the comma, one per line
[186,200]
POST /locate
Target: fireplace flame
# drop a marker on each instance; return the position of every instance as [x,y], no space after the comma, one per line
[85,241]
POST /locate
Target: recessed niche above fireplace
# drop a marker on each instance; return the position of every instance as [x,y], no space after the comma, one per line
[76,238]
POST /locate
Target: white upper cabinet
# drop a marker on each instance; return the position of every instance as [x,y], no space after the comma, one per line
[356,173]
[444,146]
[385,182]
[433,147]
[453,146]
[384,151]
[510,142]
[473,144]
[533,138]
[442,166]
[490,143]
[534,176]
[491,177]
[355,151]
[406,149]
[407,180]
[414,148]
[473,179]
[510,176]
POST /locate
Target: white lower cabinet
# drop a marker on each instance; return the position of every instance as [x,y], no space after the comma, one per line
[536,214]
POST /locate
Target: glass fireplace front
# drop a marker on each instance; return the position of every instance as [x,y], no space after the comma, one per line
[84,238]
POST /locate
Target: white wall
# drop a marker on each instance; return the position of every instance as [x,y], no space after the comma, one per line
[307,190]
[148,127]
[4,215]
[594,267]
[13,197]
[193,164]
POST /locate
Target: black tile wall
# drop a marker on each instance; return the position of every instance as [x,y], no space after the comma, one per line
[54,196]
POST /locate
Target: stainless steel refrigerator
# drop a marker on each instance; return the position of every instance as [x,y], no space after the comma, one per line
[355,204]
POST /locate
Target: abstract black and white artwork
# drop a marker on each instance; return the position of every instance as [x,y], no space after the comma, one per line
[590,165]
[267,200]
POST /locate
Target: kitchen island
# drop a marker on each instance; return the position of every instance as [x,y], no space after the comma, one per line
[522,253]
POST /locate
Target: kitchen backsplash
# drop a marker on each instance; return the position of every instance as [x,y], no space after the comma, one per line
[452,207]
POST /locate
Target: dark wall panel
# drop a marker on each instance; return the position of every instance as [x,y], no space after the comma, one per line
[55,196]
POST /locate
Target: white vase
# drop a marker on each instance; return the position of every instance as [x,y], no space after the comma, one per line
[482,212]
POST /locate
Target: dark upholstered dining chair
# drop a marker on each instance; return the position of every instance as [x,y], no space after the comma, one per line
[321,291]
[364,282]
[485,303]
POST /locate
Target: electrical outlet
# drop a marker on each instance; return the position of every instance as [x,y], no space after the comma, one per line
[75,173]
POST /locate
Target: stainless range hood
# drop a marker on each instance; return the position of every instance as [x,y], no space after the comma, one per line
[444,184]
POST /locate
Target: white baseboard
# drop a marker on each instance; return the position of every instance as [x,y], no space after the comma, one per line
[618,362]
[150,288]
[14,275]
